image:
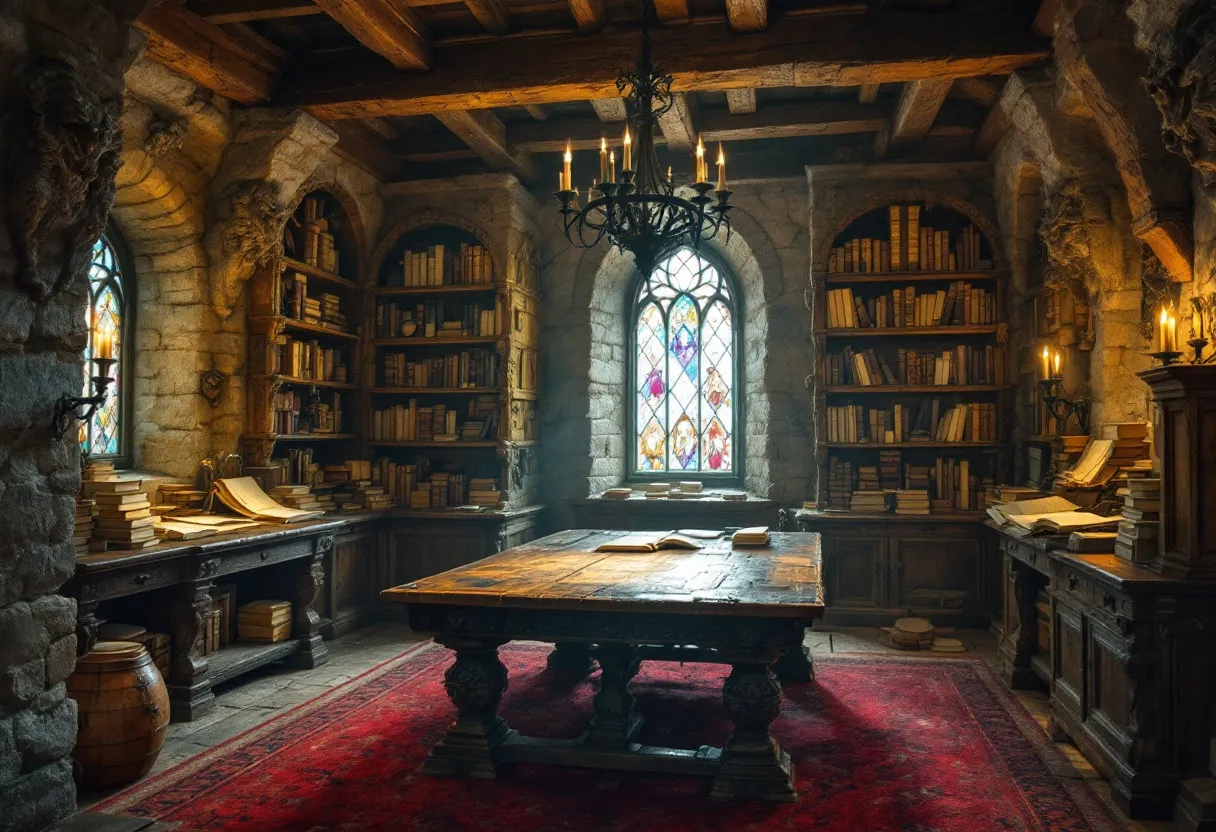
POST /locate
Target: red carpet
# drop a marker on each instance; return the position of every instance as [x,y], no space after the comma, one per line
[915,745]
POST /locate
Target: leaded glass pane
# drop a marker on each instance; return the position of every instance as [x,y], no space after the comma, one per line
[101,435]
[684,369]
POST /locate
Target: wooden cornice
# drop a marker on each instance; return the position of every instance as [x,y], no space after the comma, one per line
[387,27]
[818,50]
[206,54]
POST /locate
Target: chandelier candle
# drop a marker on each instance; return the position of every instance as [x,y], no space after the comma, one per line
[603,159]
[721,168]
[568,181]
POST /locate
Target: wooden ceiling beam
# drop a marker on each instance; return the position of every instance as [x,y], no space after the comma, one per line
[387,27]
[990,133]
[537,112]
[486,135]
[609,109]
[589,15]
[491,14]
[747,15]
[824,118]
[244,11]
[976,90]
[741,102]
[206,54]
[867,93]
[811,51]
[671,12]
[366,148]
[432,147]
[679,123]
[914,114]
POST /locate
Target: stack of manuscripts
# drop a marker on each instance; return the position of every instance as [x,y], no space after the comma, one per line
[912,501]
[83,529]
[484,492]
[123,516]
[296,496]
[264,621]
[888,469]
[840,484]
[869,502]
[180,500]
[1139,526]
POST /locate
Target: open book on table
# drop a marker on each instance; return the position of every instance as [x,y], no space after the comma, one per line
[649,542]
[1063,522]
[1005,512]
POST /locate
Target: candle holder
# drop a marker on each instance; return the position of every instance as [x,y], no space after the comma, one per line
[1198,345]
[67,409]
[1166,357]
[1062,409]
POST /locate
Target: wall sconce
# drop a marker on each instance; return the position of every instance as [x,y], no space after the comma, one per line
[1059,407]
[67,412]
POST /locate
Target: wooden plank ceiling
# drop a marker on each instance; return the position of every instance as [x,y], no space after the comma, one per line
[439,87]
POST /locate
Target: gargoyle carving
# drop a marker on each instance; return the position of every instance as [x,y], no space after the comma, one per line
[165,133]
[248,234]
[1065,235]
[1182,82]
[60,171]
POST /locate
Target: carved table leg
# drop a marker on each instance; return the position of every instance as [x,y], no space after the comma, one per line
[475,683]
[796,665]
[1018,645]
[190,695]
[571,657]
[615,724]
[753,764]
[307,625]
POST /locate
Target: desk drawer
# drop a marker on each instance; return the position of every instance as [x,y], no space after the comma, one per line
[266,556]
[138,579]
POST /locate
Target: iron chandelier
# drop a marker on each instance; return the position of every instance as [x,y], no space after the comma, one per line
[638,209]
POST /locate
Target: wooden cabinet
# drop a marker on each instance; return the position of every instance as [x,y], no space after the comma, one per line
[351,597]
[879,568]
[422,546]
[640,514]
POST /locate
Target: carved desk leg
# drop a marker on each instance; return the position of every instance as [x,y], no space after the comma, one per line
[796,665]
[307,626]
[571,657]
[475,683]
[615,724]
[1018,645]
[86,619]
[190,695]
[753,764]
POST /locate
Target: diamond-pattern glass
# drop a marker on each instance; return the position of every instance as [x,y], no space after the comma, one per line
[101,435]
[684,363]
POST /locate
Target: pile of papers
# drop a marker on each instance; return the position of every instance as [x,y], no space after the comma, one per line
[242,495]
[868,502]
[1140,521]
[1048,515]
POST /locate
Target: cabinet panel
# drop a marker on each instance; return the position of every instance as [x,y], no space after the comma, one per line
[936,572]
[1068,659]
[352,583]
[421,553]
[854,570]
[1110,687]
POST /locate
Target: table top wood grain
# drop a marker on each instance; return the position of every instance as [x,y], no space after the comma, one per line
[564,572]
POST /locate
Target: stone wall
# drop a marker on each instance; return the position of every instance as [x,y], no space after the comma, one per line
[584,344]
[61,64]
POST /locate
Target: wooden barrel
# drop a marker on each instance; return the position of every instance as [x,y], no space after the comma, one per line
[124,711]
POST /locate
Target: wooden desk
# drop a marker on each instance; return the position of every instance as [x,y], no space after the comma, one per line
[746,608]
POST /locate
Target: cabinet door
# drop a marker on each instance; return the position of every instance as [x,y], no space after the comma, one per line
[1068,658]
[935,573]
[854,570]
[420,553]
[353,578]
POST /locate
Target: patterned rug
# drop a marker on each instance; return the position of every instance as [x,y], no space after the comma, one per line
[914,745]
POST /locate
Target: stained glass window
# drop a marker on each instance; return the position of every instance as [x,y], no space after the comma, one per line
[106,319]
[685,338]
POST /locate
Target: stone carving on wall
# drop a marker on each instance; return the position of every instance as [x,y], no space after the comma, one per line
[1182,82]
[63,155]
[245,238]
[1065,236]
[165,133]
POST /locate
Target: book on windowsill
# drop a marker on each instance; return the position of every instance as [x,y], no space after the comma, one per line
[648,542]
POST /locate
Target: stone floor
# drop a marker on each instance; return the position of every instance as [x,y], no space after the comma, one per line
[261,695]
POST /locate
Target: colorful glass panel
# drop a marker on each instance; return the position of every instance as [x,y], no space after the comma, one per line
[684,367]
[102,434]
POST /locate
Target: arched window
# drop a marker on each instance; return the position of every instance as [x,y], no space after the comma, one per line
[106,434]
[685,349]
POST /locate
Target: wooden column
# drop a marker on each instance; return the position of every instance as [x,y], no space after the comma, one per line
[1185,435]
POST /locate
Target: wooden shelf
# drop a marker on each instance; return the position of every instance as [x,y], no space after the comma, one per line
[440,391]
[941,389]
[462,341]
[907,331]
[302,326]
[418,443]
[830,515]
[308,437]
[439,290]
[835,278]
[896,446]
[240,657]
[319,274]
[306,382]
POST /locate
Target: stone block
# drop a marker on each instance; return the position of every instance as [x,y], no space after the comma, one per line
[20,683]
[39,799]
[44,737]
[61,659]
[10,759]
[21,638]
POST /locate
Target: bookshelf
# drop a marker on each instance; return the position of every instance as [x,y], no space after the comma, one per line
[305,340]
[453,379]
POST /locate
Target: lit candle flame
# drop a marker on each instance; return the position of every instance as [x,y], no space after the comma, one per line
[721,155]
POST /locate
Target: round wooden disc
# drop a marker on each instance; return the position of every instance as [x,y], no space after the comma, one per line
[914,625]
[110,652]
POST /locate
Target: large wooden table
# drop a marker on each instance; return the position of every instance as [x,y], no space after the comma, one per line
[748,608]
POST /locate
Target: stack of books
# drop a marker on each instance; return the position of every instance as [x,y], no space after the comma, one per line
[96,472]
[888,470]
[124,518]
[184,499]
[867,478]
[869,502]
[484,492]
[296,496]
[751,536]
[331,312]
[83,529]
[840,483]
[610,494]
[1139,527]
[264,621]
[912,501]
